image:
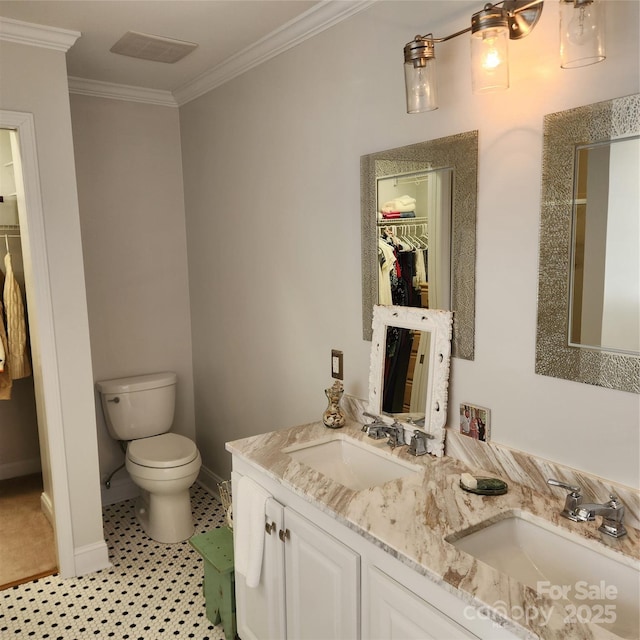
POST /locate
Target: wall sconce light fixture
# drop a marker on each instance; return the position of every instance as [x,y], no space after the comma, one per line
[581,43]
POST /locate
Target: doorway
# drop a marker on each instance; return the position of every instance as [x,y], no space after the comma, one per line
[27,541]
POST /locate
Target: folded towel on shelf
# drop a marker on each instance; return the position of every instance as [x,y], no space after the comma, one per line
[248,527]
[405,200]
[403,203]
[388,215]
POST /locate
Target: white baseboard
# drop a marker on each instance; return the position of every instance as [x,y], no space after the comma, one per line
[209,480]
[91,557]
[47,508]
[121,489]
[20,468]
[87,559]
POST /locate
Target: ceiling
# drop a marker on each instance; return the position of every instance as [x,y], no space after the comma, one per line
[224,30]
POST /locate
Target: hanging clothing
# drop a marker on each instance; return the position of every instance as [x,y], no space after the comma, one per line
[19,366]
[3,348]
[386,264]
[6,383]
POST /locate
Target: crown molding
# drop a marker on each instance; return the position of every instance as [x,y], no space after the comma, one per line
[37,35]
[319,18]
[100,89]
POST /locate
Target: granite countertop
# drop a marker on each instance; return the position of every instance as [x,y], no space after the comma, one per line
[411,518]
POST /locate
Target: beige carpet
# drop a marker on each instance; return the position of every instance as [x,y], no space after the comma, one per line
[27,544]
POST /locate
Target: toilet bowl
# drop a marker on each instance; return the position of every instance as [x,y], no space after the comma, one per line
[139,410]
[164,467]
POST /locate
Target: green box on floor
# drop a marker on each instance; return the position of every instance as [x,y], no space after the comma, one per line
[216,547]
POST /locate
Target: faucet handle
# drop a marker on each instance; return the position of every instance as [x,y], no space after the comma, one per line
[572,501]
[376,419]
[614,502]
[563,485]
[418,444]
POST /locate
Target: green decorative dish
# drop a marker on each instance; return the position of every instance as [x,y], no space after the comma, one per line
[487,487]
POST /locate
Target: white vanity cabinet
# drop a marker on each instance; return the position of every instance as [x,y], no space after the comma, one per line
[392,612]
[260,612]
[324,581]
[309,587]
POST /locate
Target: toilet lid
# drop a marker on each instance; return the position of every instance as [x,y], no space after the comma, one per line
[166,450]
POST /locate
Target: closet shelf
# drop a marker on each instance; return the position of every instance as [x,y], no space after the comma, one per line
[383,222]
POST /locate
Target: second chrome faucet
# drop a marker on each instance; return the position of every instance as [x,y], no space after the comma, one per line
[575,509]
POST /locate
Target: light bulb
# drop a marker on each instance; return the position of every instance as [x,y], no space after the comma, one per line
[582,27]
[491,58]
[420,88]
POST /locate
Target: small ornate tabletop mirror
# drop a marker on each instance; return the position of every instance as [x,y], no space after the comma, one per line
[409,374]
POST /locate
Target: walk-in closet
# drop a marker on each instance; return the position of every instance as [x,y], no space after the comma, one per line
[27,544]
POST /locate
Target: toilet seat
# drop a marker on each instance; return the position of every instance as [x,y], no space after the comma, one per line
[163,451]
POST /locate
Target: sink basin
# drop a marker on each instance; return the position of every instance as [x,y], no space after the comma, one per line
[588,585]
[351,463]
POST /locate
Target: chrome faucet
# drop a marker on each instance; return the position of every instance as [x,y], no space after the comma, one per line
[612,512]
[379,429]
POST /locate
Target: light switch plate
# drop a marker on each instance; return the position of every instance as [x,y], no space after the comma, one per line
[337,364]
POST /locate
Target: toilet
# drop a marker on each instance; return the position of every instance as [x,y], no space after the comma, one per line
[140,410]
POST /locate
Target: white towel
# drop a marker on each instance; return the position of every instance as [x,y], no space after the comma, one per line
[248,528]
[402,204]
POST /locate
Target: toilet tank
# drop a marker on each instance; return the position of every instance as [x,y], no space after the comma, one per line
[138,406]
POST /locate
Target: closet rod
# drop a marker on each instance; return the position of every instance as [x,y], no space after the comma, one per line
[417,180]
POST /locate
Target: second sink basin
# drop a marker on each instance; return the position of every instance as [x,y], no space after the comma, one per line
[350,463]
[586,584]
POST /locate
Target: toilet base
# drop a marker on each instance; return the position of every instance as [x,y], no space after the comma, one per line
[165,518]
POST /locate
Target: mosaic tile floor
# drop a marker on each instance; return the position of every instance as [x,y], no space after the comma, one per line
[152,591]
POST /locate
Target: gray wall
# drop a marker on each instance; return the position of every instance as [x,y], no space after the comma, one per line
[130,194]
[272,197]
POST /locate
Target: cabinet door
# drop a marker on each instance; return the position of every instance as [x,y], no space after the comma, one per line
[323,583]
[395,613]
[260,611]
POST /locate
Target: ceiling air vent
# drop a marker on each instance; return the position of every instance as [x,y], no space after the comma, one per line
[148,47]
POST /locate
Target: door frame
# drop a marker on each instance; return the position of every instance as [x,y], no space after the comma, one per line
[42,331]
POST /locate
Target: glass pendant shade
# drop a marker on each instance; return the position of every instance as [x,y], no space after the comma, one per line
[581,33]
[420,76]
[420,84]
[489,50]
